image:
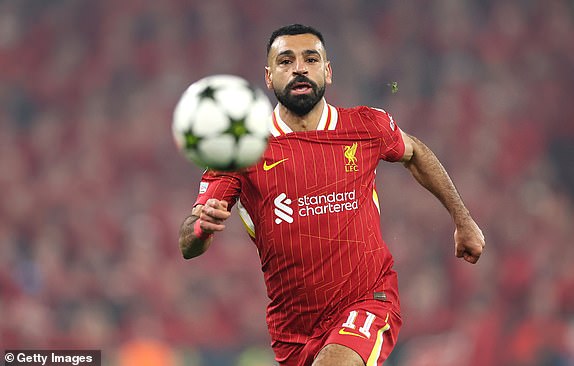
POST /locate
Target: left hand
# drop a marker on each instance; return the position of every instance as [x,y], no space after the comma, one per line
[212,216]
[468,241]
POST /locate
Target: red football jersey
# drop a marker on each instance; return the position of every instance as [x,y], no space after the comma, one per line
[311,207]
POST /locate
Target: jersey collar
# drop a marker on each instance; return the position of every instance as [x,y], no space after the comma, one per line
[328,121]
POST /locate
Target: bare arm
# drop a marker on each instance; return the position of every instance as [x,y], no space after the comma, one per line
[429,172]
[195,231]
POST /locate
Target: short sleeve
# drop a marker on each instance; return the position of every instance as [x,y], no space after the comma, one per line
[222,186]
[392,144]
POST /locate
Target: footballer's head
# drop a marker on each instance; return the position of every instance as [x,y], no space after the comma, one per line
[297,67]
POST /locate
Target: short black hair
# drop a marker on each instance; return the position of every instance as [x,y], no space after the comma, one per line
[293,30]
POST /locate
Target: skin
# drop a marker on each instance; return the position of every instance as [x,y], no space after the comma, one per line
[292,56]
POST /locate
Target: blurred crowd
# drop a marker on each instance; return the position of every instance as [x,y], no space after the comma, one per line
[93,190]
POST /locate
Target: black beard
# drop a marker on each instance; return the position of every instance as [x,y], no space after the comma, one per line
[300,104]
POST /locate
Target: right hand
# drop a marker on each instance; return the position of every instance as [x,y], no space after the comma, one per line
[212,215]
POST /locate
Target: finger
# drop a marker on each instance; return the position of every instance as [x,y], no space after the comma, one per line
[471,258]
[458,251]
[215,213]
[209,226]
[211,219]
[476,249]
[471,253]
[215,203]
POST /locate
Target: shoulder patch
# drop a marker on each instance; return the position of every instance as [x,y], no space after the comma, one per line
[203,187]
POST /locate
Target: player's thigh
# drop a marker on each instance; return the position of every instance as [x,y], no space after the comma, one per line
[336,354]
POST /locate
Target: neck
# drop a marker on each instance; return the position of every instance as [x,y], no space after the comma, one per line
[308,122]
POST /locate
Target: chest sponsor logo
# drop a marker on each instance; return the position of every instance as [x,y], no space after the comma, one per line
[331,203]
[351,160]
[282,209]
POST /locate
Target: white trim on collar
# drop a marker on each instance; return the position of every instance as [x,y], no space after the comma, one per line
[328,120]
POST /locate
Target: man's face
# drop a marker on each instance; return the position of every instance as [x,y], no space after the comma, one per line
[298,72]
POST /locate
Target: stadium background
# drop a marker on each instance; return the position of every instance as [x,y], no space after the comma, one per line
[93,190]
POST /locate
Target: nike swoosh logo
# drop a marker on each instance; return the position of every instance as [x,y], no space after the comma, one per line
[342,331]
[273,165]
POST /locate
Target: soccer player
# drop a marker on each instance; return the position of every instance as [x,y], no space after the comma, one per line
[311,208]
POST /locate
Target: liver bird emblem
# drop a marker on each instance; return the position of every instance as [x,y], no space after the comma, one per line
[350,152]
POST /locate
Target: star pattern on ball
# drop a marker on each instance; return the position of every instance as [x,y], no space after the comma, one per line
[208,92]
[237,128]
[191,140]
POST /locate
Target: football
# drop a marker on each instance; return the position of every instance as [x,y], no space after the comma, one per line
[221,122]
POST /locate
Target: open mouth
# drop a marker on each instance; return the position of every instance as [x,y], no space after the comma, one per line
[301,88]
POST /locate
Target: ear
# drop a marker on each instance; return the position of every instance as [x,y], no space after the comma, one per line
[268,78]
[328,73]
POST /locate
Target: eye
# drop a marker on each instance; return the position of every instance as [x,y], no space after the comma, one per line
[312,60]
[284,62]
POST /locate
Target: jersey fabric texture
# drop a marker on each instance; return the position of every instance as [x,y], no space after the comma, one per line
[311,208]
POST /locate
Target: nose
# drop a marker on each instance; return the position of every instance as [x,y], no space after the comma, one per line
[300,67]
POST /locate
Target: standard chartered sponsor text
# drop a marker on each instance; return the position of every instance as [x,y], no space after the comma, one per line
[333,202]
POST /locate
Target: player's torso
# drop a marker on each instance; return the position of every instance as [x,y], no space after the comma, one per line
[316,216]
[310,178]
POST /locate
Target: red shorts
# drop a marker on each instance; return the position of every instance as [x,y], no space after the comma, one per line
[370,328]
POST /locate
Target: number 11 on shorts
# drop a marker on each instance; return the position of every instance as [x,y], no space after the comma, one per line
[350,323]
